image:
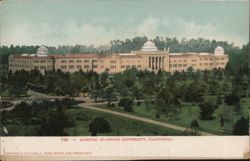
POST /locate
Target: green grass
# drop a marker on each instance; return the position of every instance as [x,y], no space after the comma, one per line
[190,111]
[120,126]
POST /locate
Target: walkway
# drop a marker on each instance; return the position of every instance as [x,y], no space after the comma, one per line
[143,119]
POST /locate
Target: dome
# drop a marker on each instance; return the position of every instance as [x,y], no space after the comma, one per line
[42,51]
[149,46]
[219,50]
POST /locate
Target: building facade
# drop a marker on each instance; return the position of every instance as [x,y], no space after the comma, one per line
[148,58]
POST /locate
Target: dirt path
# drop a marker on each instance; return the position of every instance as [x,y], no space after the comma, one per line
[150,121]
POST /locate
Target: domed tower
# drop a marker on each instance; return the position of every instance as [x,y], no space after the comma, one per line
[219,50]
[42,51]
[149,46]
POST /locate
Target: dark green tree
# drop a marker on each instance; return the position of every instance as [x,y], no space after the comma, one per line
[99,125]
[127,104]
[206,110]
[241,127]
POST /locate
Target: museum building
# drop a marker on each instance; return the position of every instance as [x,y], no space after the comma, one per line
[148,58]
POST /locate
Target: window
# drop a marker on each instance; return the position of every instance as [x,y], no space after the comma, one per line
[175,65]
[138,66]
[95,66]
[78,61]
[71,61]
[179,65]
[42,67]
[78,66]
[63,61]
[170,65]
[112,66]
[71,67]
[221,58]
[36,61]
[123,66]
[86,66]
[210,64]
[184,65]
[86,61]
[94,61]
[63,67]
[42,61]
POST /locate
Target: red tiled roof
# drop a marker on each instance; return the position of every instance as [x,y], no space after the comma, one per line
[32,57]
[74,56]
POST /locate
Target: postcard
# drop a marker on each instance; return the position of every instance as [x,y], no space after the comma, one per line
[124,80]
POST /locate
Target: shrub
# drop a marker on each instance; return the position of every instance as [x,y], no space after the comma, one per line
[99,125]
[206,111]
[241,127]
[126,103]
[232,99]
[194,124]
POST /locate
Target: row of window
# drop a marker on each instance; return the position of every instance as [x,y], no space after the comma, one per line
[78,61]
[19,66]
[77,66]
[130,66]
[205,64]
[195,60]
[20,61]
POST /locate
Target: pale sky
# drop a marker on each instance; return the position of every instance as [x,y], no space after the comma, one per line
[85,22]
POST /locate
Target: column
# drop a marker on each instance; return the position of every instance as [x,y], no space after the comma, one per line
[156,63]
[159,62]
[153,63]
[149,62]
[163,63]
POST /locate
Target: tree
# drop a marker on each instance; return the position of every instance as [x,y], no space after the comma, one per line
[237,108]
[241,127]
[99,125]
[222,121]
[218,99]
[195,124]
[54,124]
[206,110]
[126,103]
[109,94]
[22,110]
[232,98]
[214,87]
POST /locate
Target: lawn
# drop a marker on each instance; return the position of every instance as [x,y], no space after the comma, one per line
[120,126]
[189,112]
